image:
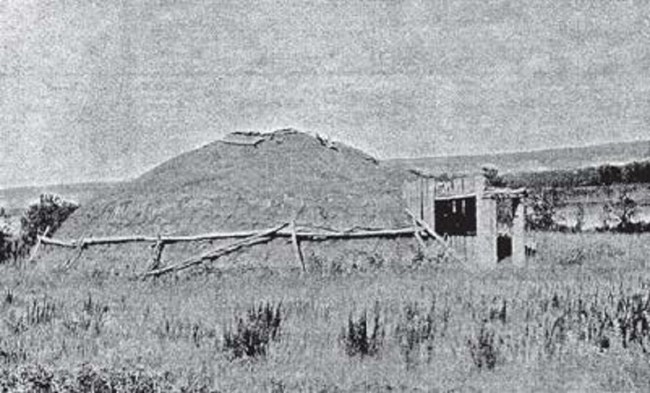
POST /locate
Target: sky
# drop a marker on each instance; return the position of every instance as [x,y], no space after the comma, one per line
[94,90]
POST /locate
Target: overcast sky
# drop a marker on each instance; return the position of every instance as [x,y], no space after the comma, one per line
[95,90]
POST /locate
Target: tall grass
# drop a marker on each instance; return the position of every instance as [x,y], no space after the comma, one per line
[556,325]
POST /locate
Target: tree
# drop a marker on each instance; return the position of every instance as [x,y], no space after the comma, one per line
[610,174]
[491,174]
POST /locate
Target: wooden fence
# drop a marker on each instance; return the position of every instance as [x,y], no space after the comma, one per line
[420,230]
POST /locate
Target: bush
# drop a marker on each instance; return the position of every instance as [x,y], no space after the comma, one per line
[50,212]
[254,332]
[541,211]
[88,378]
[358,338]
[6,245]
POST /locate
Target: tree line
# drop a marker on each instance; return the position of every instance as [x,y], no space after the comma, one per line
[603,175]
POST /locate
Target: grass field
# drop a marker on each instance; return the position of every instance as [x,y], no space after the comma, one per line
[576,319]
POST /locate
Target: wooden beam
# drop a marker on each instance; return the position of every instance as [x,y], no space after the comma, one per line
[505,192]
[38,244]
[419,239]
[73,259]
[156,255]
[56,242]
[260,237]
[433,234]
[296,246]
[452,197]
[314,236]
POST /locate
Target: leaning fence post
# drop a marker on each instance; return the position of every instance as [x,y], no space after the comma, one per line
[296,245]
[435,236]
[416,233]
[38,244]
[157,254]
[80,248]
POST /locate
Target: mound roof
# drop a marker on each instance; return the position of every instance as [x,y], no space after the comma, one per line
[250,181]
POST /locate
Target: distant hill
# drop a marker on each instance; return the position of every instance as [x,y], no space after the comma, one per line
[14,200]
[533,161]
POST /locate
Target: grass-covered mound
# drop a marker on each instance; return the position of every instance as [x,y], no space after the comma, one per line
[254,181]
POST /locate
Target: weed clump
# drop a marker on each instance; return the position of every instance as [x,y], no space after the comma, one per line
[38,312]
[416,331]
[92,317]
[361,340]
[575,258]
[9,296]
[252,334]
[633,320]
[193,331]
[484,349]
[10,353]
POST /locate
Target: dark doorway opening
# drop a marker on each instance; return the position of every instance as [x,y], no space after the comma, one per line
[456,217]
[504,247]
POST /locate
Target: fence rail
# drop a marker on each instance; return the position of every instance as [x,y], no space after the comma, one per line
[301,234]
[244,239]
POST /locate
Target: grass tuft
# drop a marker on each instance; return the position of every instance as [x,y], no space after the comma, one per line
[484,348]
[252,334]
[363,340]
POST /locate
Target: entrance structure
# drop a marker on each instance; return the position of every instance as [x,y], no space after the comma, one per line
[481,222]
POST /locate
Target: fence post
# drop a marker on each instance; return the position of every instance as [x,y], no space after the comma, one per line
[157,254]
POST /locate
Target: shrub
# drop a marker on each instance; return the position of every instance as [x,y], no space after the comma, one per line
[91,380]
[627,211]
[50,212]
[38,379]
[5,245]
[254,332]
[541,211]
[10,244]
[88,378]
[361,341]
